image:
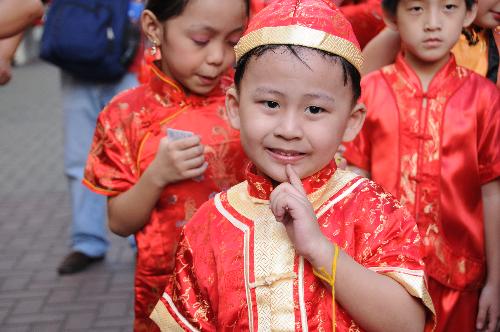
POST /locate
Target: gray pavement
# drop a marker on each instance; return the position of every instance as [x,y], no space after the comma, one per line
[35,218]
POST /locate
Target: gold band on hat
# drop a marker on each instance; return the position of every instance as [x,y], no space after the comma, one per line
[301,36]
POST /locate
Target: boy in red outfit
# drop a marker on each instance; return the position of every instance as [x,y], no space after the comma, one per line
[431,138]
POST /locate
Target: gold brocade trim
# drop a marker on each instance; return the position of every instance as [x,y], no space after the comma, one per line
[162,317]
[303,36]
[414,284]
[246,255]
[239,199]
[274,253]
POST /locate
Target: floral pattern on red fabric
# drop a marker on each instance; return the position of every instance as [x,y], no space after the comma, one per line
[126,140]
[260,186]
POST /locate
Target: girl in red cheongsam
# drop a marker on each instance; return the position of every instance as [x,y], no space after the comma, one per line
[155,182]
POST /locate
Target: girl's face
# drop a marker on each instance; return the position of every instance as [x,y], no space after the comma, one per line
[488,14]
[197,46]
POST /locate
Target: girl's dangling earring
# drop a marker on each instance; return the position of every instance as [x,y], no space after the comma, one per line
[154,47]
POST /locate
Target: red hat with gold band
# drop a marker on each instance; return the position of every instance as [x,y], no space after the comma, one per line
[316,24]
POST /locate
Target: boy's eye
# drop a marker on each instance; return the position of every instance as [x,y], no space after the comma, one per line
[415,9]
[314,110]
[450,7]
[271,104]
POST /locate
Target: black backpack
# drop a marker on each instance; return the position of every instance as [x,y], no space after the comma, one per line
[91,39]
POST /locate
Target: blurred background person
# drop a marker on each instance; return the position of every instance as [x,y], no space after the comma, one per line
[99,58]
[477,48]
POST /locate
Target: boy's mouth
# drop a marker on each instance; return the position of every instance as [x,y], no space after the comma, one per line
[432,42]
[285,155]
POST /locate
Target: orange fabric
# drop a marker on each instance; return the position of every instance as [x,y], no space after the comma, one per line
[434,150]
[473,57]
[125,142]
[209,289]
[365,17]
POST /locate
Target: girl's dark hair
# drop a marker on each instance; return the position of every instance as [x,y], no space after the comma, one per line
[351,74]
[166,9]
[391,6]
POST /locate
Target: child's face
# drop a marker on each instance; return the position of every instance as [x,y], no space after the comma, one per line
[488,14]
[430,28]
[197,46]
[292,112]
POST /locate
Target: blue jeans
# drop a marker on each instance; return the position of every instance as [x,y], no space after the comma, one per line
[82,102]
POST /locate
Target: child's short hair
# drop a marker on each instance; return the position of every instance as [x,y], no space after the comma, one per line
[166,9]
[351,74]
[391,6]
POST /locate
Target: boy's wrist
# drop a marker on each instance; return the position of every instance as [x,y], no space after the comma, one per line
[320,256]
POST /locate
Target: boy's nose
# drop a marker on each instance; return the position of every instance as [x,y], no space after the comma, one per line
[289,126]
[433,21]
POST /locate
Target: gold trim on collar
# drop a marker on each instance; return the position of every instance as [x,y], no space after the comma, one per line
[252,208]
[302,36]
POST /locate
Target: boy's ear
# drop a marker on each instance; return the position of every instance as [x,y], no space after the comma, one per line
[390,20]
[354,123]
[233,107]
[152,27]
[470,15]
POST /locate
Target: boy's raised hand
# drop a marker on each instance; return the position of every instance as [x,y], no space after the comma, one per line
[291,207]
[178,160]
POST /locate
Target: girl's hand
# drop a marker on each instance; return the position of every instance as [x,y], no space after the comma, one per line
[290,206]
[178,160]
[488,317]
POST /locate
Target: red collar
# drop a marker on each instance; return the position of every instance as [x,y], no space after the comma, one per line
[438,82]
[260,186]
[172,93]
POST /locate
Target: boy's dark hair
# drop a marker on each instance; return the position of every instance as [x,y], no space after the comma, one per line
[391,6]
[166,9]
[351,74]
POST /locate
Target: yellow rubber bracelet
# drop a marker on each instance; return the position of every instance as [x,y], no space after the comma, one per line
[330,279]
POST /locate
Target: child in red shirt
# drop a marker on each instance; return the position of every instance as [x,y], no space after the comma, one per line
[155,182]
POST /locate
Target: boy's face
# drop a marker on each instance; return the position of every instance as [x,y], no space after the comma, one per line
[293,112]
[430,28]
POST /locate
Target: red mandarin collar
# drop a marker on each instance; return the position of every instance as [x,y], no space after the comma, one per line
[260,186]
[172,93]
[438,82]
